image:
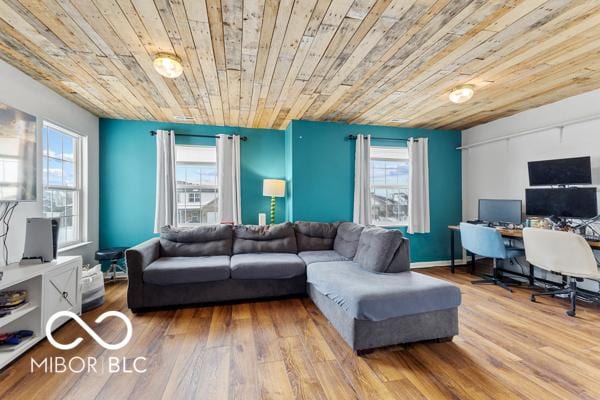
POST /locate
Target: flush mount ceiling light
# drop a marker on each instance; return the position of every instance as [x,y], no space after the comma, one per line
[168,65]
[461,94]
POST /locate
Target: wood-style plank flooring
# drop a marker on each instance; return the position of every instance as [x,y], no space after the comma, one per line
[508,348]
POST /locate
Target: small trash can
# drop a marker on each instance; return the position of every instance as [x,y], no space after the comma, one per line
[92,288]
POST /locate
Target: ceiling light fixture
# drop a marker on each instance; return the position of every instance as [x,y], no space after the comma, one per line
[461,94]
[168,65]
[399,120]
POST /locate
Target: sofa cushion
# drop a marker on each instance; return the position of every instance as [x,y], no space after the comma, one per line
[378,248]
[313,236]
[310,257]
[182,270]
[266,266]
[209,240]
[278,238]
[379,296]
[346,239]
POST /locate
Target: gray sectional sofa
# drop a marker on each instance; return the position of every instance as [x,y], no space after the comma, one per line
[359,277]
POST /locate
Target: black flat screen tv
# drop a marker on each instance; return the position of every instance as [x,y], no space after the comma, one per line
[562,202]
[564,171]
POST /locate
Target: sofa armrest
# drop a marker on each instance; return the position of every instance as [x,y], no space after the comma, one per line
[401,260]
[138,258]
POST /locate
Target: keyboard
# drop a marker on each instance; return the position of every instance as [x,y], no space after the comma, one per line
[476,222]
[592,238]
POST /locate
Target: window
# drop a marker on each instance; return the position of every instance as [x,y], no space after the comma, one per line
[389,186]
[194,197]
[61,164]
[196,185]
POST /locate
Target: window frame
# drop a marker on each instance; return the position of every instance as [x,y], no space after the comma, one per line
[79,209]
[373,186]
[187,194]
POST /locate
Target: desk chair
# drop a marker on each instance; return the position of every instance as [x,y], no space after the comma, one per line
[563,253]
[487,242]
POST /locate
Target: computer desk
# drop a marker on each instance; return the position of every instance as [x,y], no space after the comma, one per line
[507,233]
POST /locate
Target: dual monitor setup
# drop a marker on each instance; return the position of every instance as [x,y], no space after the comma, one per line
[560,201]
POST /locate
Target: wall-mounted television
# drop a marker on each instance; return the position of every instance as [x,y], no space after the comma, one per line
[562,202]
[18,155]
[564,171]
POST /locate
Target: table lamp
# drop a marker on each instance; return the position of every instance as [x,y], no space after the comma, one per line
[273,188]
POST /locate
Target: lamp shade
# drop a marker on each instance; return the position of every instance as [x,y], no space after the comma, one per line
[274,187]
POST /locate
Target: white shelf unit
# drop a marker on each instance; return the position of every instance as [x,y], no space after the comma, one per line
[51,287]
[18,313]
[25,344]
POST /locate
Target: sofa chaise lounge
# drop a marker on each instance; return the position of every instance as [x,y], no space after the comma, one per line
[359,277]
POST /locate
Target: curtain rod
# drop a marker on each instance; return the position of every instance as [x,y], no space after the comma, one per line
[242,138]
[354,137]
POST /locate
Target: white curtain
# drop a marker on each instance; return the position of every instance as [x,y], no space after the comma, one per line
[418,186]
[166,183]
[228,172]
[362,180]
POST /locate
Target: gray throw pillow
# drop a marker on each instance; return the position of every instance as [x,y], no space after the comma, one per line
[278,238]
[315,236]
[377,248]
[346,239]
[209,240]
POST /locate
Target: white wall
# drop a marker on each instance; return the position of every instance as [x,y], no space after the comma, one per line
[24,93]
[499,169]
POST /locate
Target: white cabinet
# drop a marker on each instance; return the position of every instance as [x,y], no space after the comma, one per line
[61,292]
[51,287]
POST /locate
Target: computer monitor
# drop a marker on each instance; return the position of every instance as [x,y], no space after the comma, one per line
[562,202]
[564,171]
[500,211]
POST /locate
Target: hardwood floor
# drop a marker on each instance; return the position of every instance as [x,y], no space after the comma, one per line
[507,348]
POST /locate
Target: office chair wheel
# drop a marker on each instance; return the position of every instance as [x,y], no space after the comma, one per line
[532,298]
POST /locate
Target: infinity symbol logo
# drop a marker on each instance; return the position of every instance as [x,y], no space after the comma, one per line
[90,331]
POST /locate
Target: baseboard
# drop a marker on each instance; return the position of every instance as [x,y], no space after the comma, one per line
[442,263]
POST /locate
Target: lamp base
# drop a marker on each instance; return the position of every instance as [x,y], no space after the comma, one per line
[272,210]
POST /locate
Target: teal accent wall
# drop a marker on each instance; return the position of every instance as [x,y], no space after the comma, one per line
[289,173]
[315,158]
[322,161]
[128,174]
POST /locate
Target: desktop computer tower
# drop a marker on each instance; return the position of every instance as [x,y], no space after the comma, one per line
[41,239]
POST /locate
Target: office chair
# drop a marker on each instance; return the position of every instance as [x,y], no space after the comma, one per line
[563,253]
[487,242]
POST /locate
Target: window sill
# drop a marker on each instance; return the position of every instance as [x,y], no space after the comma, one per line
[72,247]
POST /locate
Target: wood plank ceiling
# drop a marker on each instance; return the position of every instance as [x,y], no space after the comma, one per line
[261,63]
